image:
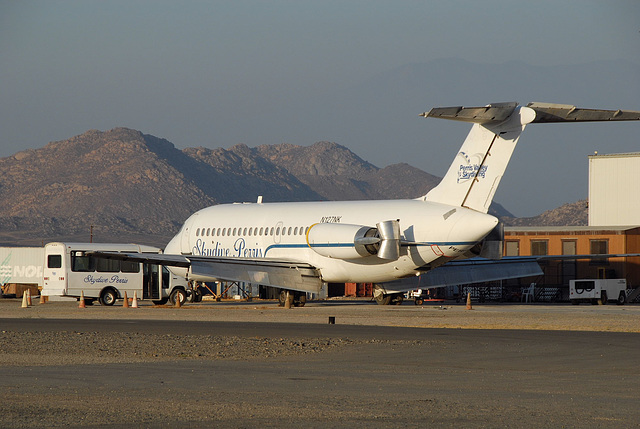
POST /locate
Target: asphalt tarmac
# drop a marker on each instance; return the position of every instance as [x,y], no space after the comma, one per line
[379,377]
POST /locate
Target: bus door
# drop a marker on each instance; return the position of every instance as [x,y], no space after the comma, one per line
[151,281]
[55,270]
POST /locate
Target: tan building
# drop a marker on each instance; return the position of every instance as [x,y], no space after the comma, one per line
[611,189]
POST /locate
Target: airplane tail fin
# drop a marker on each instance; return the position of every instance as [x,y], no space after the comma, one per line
[474,175]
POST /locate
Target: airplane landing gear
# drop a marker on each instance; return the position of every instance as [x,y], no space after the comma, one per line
[389,298]
[297,299]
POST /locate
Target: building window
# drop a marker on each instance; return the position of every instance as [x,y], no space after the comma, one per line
[512,248]
[599,247]
[539,247]
[569,247]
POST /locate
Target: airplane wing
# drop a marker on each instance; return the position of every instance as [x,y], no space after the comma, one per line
[468,271]
[591,256]
[480,270]
[265,271]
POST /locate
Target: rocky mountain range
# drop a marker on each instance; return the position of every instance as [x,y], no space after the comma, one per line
[125,186]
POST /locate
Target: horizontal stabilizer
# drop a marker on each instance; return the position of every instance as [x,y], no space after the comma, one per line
[545,113]
[493,113]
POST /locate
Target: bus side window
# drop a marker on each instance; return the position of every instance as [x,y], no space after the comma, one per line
[130,267]
[54,261]
[82,262]
[105,265]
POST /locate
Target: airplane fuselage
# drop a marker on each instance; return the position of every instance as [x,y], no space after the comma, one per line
[428,231]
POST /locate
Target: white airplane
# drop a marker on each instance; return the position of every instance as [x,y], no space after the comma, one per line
[299,246]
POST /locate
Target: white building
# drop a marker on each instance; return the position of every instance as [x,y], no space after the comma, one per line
[614,199]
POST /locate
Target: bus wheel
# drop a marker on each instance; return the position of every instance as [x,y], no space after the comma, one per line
[622,298]
[108,297]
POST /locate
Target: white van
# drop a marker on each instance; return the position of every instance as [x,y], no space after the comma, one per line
[70,270]
[598,291]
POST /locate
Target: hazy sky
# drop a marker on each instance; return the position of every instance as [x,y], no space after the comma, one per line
[214,73]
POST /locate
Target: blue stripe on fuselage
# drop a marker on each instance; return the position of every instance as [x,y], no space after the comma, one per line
[343,245]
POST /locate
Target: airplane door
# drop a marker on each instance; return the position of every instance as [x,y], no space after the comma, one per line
[277,235]
[185,245]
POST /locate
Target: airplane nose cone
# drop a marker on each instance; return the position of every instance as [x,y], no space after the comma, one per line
[173,247]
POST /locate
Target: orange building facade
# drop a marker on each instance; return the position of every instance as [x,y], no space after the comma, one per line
[566,241]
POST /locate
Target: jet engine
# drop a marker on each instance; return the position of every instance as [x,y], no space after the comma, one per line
[345,241]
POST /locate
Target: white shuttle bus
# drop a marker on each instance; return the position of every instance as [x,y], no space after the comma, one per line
[70,270]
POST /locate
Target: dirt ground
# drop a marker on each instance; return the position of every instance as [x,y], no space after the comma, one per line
[565,317]
[254,364]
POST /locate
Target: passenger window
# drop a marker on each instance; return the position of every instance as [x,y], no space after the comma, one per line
[218,232]
[278,231]
[245,232]
[234,232]
[54,261]
[223,232]
[249,232]
[261,230]
[255,231]
[197,232]
[208,231]
[289,231]
[81,262]
[104,265]
[295,231]
[129,267]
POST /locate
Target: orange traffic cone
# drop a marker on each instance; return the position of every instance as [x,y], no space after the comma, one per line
[469,301]
[134,304]
[25,301]
[44,299]
[82,305]
[287,302]
[125,304]
[178,303]
[29,301]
